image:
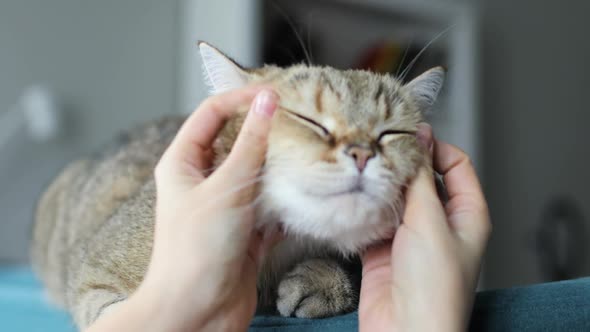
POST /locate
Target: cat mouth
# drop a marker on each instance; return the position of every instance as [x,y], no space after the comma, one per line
[357,189]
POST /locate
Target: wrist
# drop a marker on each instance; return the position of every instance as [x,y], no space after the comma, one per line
[183,305]
[143,311]
[171,305]
[445,315]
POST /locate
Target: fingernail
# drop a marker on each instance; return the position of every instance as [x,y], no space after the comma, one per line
[424,140]
[424,136]
[266,103]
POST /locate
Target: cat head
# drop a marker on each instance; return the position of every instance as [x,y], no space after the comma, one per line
[342,146]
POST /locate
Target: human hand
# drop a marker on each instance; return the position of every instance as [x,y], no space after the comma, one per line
[425,279]
[206,251]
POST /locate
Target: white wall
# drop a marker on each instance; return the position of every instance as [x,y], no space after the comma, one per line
[113,63]
[233,26]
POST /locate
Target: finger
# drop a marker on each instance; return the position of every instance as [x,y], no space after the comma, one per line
[376,281]
[467,209]
[249,150]
[423,210]
[377,256]
[190,151]
[425,136]
[263,242]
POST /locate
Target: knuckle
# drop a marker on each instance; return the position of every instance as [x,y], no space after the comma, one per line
[457,150]
[460,154]
[486,229]
[478,207]
[206,104]
[467,159]
[484,226]
[211,102]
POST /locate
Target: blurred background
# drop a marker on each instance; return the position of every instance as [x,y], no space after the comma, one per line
[74,73]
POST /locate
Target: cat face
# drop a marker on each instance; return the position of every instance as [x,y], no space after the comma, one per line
[341,149]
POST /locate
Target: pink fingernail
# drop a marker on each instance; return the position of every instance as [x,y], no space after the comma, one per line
[424,136]
[424,140]
[266,103]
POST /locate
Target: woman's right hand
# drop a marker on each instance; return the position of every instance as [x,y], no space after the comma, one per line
[206,250]
[425,279]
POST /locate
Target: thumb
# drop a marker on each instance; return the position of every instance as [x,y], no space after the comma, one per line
[423,207]
[249,150]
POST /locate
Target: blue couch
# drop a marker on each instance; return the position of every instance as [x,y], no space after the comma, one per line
[557,306]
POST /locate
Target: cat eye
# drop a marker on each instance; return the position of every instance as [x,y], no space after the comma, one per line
[394,132]
[318,128]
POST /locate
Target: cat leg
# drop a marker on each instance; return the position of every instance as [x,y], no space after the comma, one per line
[93,304]
[317,288]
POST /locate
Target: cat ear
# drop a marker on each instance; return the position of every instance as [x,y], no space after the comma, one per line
[424,89]
[221,72]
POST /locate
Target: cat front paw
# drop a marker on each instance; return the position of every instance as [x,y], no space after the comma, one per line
[316,288]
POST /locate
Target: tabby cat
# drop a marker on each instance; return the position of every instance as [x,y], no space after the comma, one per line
[341,149]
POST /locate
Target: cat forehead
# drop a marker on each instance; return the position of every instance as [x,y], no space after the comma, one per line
[349,83]
[348,97]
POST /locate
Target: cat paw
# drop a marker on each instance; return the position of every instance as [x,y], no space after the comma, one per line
[316,288]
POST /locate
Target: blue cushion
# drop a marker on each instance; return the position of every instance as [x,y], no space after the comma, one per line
[557,306]
[554,306]
[24,307]
[271,324]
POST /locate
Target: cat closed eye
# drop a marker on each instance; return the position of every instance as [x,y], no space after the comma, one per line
[314,125]
[390,133]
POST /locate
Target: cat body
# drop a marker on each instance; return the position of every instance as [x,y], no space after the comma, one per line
[341,149]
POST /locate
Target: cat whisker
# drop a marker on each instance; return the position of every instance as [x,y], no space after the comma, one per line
[297,34]
[411,64]
[401,63]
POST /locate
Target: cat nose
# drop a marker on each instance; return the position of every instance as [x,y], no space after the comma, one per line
[360,155]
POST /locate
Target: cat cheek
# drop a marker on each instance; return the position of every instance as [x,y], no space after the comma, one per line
[328,156]
[388,156]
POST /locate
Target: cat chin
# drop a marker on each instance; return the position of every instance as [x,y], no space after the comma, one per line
[354,241]
[348,224]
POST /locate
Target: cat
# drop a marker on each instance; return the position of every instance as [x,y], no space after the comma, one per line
[341,150]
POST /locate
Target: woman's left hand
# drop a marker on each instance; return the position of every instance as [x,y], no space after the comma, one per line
[425,279]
